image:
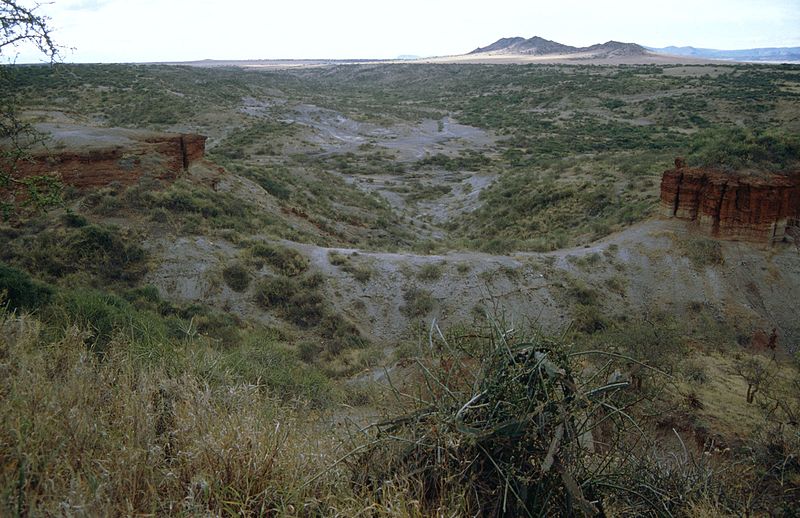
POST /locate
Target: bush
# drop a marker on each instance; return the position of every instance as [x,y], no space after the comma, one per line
[308,351]
[581,293]
[340,333]
[499,435]
[275,291]
[305,308]
[102,250]
[148,294]
[430,272]
[287,261]
[588,319]
[261,361]
[337,259]
[298,300]
[71,219]
[22,292]
[418,303]
[236,277]
[360,272]
[99,313]
[702,251]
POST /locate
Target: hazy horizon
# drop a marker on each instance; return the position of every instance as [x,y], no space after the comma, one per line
[149,30]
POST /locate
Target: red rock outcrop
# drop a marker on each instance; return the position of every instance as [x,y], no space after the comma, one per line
[745,207]
[163,156]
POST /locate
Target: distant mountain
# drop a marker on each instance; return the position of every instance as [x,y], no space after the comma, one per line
[500,45]
[773,54]
[615,49]
[537,46]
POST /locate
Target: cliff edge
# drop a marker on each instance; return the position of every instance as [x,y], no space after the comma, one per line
[88,158]
[758,208]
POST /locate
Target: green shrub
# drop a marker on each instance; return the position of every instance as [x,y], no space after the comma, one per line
[22,292]
[588,318]
[702,251]
[99,313]
[340,333]
[147,293]
[287,261]
[298,300]
[305,308]
[430,272]
[484,441]
[616,284]
[275,188]
[360,272]
[236,277]
[309,351]
[581,293]
[101,250]
[71,219]
[418,303]
[275,291]
[337,259]
[222,327]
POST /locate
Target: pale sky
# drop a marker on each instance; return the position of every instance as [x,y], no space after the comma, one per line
[183,30]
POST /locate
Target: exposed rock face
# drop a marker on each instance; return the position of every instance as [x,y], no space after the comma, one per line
[95,162]
[756,208]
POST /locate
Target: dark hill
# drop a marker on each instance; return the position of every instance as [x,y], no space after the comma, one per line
[537,46]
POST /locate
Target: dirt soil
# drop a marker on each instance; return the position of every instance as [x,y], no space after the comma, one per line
[757,287]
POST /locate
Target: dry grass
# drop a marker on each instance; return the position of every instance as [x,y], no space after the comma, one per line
[722,392]
[169,431]
[85,435]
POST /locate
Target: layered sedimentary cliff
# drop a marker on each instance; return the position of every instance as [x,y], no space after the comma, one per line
[95,159]
[747,207]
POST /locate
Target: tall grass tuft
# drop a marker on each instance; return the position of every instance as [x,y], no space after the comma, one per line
[82,434]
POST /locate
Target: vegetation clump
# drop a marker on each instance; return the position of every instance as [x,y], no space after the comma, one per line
[105,251]
[360,271]
[286,261]
[701,251]
[418,302]
[297,299]
[431,272]
[236,276]
[20,292]
[503,432]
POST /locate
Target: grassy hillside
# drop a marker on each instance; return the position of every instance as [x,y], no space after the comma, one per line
[191,347]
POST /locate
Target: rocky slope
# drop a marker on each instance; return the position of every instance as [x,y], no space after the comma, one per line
[758,208]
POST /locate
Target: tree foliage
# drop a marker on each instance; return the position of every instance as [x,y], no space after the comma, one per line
[20,26]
